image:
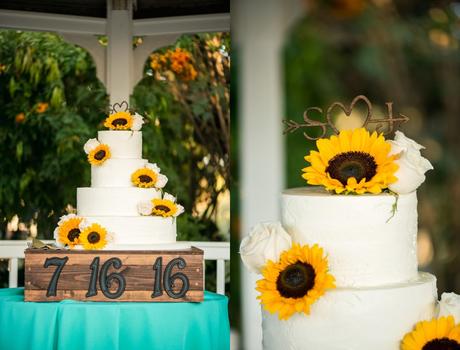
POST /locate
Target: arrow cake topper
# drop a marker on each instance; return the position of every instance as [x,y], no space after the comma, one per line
[388,120]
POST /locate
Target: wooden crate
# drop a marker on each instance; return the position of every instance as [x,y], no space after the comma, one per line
[103,275]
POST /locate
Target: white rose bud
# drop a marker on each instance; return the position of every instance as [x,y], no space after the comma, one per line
[56,233]
[84,224]
[90,145]
[169,197]
[162,180]
[64,218]
[449,305]
[145,208]
[412,166]
[265,242]
[153,166]
[180,210]
[138,120]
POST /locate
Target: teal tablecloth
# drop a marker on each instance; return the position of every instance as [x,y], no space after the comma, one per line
[74,325]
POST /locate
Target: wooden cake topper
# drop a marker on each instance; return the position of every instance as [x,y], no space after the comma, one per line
[123,106]
[388,120]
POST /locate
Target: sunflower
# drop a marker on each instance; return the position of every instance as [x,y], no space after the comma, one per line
[295,282]
[119,121]
[68,231]
[149,176]
[166,207]
[437,334]
[352,162]
[144,178]
[99,154]
[93,236]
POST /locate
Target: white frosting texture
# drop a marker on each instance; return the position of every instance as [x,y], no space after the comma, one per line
[142,230]
[119,201]
[355,319]
[122,143]
[115,172]
[366,244]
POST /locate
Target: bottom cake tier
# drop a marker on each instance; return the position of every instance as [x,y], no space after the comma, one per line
[355,319]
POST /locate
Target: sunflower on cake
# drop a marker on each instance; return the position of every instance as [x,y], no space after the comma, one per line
[340,271]
[126,205]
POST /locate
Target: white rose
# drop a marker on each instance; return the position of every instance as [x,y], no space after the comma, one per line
[154,167]
[64,218]
[161,181]
[56,233]
[180,210]
[90,145]
[169,197]
[145,208]
[449,305]
[138,120]
[84,224]
[412,166]
[265,242]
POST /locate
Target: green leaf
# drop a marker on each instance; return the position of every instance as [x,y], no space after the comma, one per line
[19,150]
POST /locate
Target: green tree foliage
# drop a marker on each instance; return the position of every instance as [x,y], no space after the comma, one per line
[52,103]
[188,128]
[50,99]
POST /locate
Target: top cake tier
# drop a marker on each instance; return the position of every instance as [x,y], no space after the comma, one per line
[370,239]
[123,144]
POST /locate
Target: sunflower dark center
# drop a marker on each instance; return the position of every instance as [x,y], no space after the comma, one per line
[73,234]
[94,237]
[359,165]
[99,155]
[145,178]
[163,208]
[296,280]
[442,344]
[119,121]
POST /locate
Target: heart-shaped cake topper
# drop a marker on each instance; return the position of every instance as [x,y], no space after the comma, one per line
[390,121]
[119,107]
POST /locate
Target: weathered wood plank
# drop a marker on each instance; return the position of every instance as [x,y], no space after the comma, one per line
[114,275]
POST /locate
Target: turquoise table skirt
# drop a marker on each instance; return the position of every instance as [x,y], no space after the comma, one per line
[69,325]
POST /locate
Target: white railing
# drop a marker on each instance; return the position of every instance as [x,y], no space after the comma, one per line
[219,251]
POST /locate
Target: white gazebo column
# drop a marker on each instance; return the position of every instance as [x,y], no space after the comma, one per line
[119,50]
[258,28]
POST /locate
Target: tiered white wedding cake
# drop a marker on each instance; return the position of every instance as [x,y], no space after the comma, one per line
[340,271]
[125,207]
[372,255]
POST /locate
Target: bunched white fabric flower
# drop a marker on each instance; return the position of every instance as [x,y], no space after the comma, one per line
[90,145]
[412,166]
[138,121]
[265,242]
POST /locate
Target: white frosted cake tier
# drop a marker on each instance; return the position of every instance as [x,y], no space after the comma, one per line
[115,172]
[366,245]
[117,201]
[355,319]
[137,230]
[122,143]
